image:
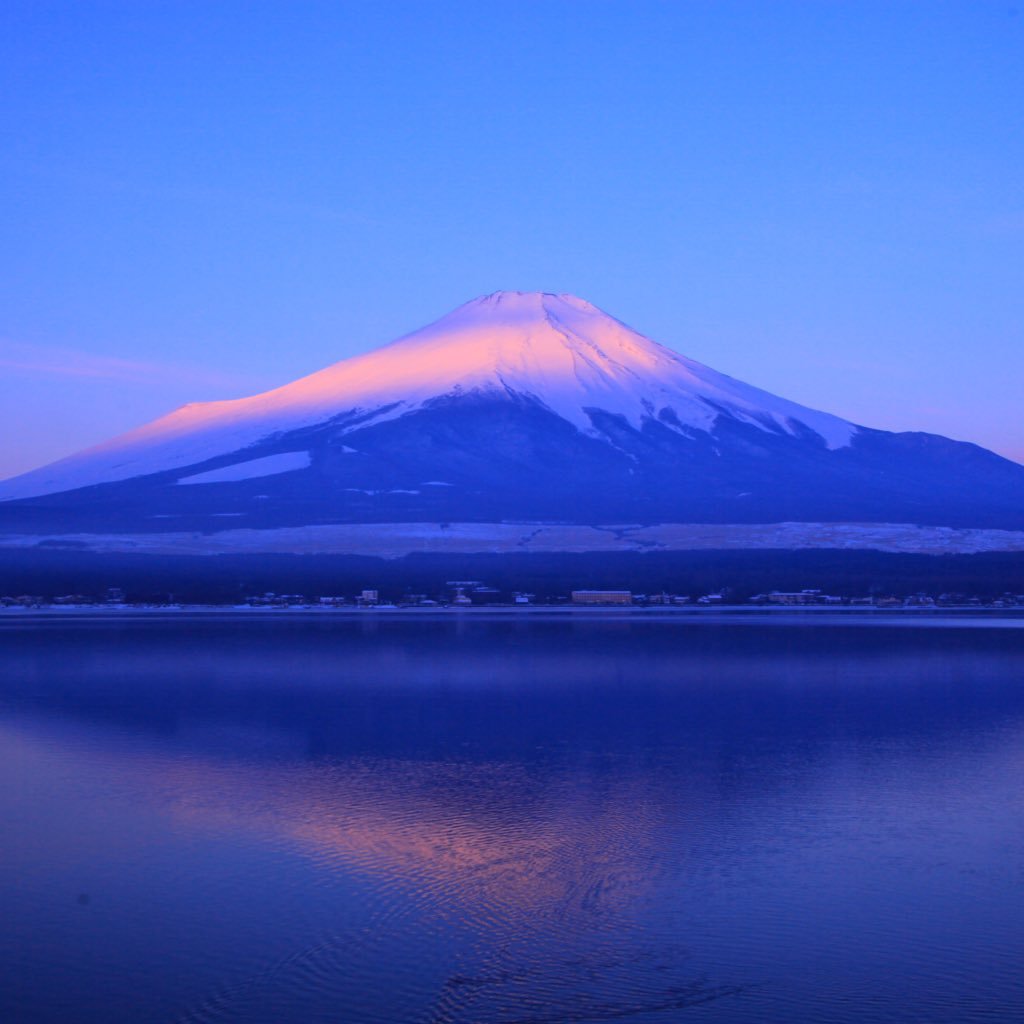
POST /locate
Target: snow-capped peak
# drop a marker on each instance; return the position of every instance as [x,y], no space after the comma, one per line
[557,349]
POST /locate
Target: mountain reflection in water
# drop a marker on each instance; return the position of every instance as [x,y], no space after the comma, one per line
[510,820]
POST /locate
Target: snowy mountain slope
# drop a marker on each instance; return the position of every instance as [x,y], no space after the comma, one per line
[522,407]
[557,349]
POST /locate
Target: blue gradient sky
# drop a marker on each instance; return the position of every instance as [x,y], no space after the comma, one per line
[202,200]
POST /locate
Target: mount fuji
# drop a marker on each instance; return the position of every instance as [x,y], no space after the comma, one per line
[521,407]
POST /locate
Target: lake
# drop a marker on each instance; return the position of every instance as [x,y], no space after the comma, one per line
[471,818]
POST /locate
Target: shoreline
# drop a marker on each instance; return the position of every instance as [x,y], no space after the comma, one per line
[734,614]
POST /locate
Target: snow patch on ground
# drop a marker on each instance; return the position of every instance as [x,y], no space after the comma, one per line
[393,540]
[268,465]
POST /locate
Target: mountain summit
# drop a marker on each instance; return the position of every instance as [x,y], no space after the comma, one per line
[515,405]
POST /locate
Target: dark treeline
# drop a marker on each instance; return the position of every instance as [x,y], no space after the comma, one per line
[230,578]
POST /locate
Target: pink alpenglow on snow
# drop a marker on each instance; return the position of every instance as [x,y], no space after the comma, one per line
[556,349]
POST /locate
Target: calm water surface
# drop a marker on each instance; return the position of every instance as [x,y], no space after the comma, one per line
[460,819]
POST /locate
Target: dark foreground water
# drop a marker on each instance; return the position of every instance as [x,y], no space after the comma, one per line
[472,820]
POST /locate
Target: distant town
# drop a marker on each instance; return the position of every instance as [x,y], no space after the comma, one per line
[475,593]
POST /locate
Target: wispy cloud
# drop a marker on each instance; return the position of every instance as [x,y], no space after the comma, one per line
[62,361]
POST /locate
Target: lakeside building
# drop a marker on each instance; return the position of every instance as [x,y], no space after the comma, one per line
[602,597]
[797,597]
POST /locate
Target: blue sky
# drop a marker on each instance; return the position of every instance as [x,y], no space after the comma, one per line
[202,200]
